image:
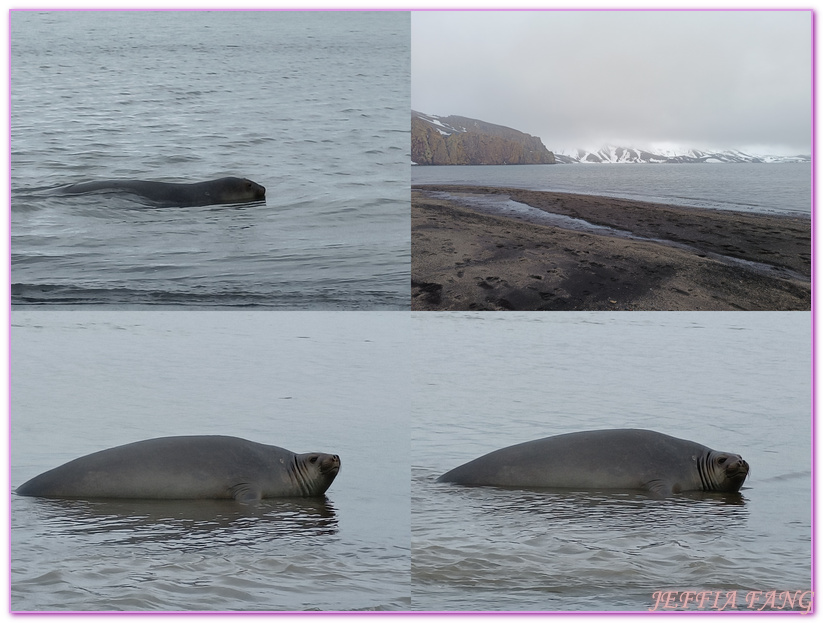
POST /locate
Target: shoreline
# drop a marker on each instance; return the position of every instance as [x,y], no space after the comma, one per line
[657,256]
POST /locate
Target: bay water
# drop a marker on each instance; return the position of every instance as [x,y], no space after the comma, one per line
[735,382]
[386,391]
[760,188]
[312,105]
[336,382]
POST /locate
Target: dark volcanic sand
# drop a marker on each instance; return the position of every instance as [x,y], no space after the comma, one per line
[466,259]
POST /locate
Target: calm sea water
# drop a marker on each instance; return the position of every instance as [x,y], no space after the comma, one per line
[737,382]
[763,188]
[322,381]
[312,105]
[363,385]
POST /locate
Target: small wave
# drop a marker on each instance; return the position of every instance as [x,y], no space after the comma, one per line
[56,295]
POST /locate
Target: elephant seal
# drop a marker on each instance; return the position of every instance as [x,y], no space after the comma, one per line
[194,467]
[606,459]
[224,190]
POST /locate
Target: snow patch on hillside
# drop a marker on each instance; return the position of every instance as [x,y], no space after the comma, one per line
[666,153]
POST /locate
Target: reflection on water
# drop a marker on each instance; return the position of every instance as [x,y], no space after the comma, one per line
[547,549]
[181,523]
[618,509]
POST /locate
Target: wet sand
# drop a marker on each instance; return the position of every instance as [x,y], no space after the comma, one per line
[464,258]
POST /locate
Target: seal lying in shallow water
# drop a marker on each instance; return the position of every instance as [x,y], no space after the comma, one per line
[196,467]
[224,190]
[607,459]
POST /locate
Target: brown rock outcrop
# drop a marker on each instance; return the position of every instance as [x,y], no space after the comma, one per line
[460,140]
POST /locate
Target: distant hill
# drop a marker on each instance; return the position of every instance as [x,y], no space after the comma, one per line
[615,154]
[460,140]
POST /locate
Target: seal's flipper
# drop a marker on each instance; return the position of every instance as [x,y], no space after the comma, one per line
[247,493]
[660,488]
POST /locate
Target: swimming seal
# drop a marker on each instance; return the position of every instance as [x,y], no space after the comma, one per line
[607,459]
[224,190]
[193,467]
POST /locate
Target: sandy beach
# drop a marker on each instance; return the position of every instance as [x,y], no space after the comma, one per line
[654,257]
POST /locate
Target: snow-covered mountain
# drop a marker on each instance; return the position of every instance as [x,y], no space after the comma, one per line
[616,154]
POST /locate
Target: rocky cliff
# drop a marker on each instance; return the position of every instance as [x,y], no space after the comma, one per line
[460,140]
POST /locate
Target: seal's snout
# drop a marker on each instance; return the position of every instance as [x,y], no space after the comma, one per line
[257,190]
[736,468]
[252,190]
[330,464]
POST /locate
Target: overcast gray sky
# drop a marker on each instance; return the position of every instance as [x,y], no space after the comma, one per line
[716,79]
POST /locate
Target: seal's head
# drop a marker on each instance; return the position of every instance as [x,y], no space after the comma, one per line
[238,190]
[314,472]
[723,471]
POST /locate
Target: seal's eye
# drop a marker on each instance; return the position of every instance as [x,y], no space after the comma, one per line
[313,459]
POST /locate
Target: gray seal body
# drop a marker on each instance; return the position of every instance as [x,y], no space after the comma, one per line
[607,459]
[193,467]
[224,190]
